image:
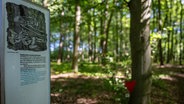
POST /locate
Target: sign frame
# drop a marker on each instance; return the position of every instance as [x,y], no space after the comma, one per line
[25,65]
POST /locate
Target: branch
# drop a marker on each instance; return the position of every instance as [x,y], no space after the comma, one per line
[127,3]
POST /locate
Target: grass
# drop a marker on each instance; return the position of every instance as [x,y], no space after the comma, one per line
[87,69]
[62,68]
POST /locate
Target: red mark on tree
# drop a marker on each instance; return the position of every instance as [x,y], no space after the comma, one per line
[130,85]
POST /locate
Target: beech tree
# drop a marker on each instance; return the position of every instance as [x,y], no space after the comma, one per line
[140,50]
[76,35]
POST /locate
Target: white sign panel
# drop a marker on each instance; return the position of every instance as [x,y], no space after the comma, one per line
[26,61]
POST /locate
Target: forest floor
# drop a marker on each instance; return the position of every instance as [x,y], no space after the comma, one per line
[73,88]
[168,85]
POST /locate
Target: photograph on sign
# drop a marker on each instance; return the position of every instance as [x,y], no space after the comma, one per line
[26,56]
[27,28]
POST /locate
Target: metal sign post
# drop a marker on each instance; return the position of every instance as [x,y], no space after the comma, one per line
[24,55]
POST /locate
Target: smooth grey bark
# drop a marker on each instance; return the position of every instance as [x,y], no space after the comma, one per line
[76,36]
[140,51]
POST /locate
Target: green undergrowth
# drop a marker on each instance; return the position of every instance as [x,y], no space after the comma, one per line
[62,68]
[96,80]
[102,83]
[90,69]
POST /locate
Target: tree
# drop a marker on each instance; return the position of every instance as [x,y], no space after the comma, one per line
[181,32]
[76,35]
[140,50]
[105,25]
[60,52]
[90,52]
[160,30]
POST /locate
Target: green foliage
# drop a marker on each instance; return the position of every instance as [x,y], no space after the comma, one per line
[154,38]
[57,88]
[92,69]
[62,13]
[54,55]
[63,68]
[110,71]
[157,82]
[115,83]
[118,87]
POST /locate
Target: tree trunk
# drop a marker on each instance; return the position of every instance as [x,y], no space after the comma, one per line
[117,38]
[172,45]
[60,53]
[181,33]
[68,50]
[105,25]
[90,51]
[95,39]
[160,31]
[122,42]
[168,47]
[76,36]
[170,34]
[106,31]
[61,43]
[140,51]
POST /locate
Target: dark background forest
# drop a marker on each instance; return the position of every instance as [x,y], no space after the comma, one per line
[93,53]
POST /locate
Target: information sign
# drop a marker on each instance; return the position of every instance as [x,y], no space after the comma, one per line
[24,55]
